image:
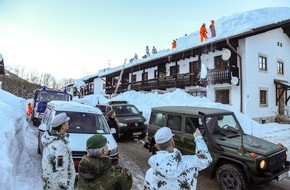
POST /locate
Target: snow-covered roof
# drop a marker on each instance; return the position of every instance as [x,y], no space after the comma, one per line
[226,27]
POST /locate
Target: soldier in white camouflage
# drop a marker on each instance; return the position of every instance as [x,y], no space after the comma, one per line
[58,171]
[96,170]
[170,169]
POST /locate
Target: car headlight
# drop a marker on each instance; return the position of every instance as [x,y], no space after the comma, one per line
[263,164]
[113,152]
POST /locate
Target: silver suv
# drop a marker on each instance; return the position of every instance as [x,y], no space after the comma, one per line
[84,122]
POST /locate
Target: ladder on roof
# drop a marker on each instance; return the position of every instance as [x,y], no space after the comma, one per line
[120,77]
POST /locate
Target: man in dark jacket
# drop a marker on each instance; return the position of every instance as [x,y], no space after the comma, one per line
[96,170]
[112,122]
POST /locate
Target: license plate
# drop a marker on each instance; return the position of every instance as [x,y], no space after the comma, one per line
[139,133]
[282,176]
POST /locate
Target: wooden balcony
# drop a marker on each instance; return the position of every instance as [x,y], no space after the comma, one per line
[214,76]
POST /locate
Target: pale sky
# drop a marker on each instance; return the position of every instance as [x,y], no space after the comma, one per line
[73,38]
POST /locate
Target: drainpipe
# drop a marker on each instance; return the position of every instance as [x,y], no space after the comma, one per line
[241,74]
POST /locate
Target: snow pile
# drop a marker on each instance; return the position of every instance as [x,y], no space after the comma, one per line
[20,166]
[11,111]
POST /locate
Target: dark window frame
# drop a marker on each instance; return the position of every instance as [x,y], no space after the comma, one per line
[174,70]
[219,63]
[263,63]
[133,78]
[174,122]
[280,67]
[263,97]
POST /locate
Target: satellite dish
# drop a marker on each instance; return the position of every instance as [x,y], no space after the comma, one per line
[226,54]
[234,80]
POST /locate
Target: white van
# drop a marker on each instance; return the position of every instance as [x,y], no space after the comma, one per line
[84,121]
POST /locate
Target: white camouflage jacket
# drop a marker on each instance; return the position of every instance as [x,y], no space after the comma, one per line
[176,171]
[58,170]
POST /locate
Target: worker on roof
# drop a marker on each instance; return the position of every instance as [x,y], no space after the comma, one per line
[173,44]
[212,29]
[203,32]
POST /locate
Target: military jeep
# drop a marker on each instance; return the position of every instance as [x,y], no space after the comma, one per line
[239,159]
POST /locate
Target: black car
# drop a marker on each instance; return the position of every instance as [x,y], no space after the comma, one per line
[130,119]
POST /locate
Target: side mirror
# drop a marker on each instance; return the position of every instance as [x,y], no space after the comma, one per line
[113,131]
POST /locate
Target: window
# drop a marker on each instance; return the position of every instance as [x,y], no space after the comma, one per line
[109,81]
[145,76]
[222,96]
[263,97]
[156,74]
[262,63]
[174,122]
[134,79]
[157,119]
[280,67]
[219,63]
[102,108]
[174,70]
[46,117]
[195,66]
[191,124]
[115,81]
[88,123]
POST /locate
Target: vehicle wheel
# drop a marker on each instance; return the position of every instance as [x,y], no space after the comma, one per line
[230,176]
[143,135]
[35,122]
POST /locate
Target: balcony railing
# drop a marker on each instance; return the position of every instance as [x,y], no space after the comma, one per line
[214,76]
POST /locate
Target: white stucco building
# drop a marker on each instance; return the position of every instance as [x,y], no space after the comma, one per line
[247,65]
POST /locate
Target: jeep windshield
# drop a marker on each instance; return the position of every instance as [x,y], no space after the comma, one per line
[87,123]
[225,125]
[125,110]
[47,96]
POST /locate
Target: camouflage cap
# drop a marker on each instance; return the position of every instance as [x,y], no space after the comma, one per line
[163,135]
[59,119]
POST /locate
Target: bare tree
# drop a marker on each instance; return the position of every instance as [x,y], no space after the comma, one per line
[34,78]
[47,79]
[22,72]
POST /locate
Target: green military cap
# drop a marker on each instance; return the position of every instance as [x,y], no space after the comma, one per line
[96,141]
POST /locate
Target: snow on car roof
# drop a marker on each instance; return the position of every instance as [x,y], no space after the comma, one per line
[73,106]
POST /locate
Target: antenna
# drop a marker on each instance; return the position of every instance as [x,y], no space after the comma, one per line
[242,149]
